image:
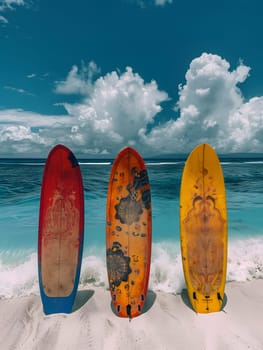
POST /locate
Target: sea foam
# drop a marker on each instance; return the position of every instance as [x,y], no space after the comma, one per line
[245,262]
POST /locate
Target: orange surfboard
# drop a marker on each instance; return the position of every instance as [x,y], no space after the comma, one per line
[128,233]
[61,229]
[203,229]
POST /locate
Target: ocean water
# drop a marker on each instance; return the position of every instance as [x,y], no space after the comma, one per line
[20,186]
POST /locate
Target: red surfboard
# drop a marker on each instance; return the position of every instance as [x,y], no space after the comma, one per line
[61,228]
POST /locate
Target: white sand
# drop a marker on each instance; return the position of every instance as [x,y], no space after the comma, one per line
[168,323]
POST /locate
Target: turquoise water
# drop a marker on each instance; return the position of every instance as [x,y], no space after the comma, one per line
[20,186]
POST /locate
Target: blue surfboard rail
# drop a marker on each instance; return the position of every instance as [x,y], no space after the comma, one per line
[55,305]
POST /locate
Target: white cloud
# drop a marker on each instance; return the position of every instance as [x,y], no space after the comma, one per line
[212,109]
[18,90]
[78,81]
[37,76]
[10,5]
[116,110]
[30,76]
[120,109]
[116,113]
[3,20]
[18,139]
[27,133]
[146,3]
[246,125]
[4,4]
[35,120]
[163,2]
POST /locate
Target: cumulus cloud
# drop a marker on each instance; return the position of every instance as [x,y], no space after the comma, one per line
[18,139]
[120,109]
[212,109]
[26,133]
[114,112]
[10,5]
[78,81]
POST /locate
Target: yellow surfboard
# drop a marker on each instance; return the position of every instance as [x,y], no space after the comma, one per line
[203,229]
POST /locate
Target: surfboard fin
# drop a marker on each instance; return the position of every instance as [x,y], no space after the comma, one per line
[128,310]
[219,297]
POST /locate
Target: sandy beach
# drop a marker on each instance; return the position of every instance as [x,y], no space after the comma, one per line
[168,323]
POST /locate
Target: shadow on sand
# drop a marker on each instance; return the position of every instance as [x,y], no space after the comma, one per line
[150,300]
[186,300]
[82,298]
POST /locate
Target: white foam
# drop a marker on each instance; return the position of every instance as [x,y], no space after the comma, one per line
[254,162]
[94,163]
[166,268]
[93,271]
[19,280]
[245,262]
[23,163]
[241,162]
[163,163]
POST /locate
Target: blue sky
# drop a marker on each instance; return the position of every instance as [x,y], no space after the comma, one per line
[159,75]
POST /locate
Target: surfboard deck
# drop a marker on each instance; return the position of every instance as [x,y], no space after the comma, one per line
[128,233]
[203,229]
[61,229]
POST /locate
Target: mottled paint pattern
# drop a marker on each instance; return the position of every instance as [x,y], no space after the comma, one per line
[61,229]
[128,233]
[203,229]
[60,243]
[204,225]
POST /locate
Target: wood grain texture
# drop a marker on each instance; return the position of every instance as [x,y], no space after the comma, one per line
[128,233]
[203,229]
